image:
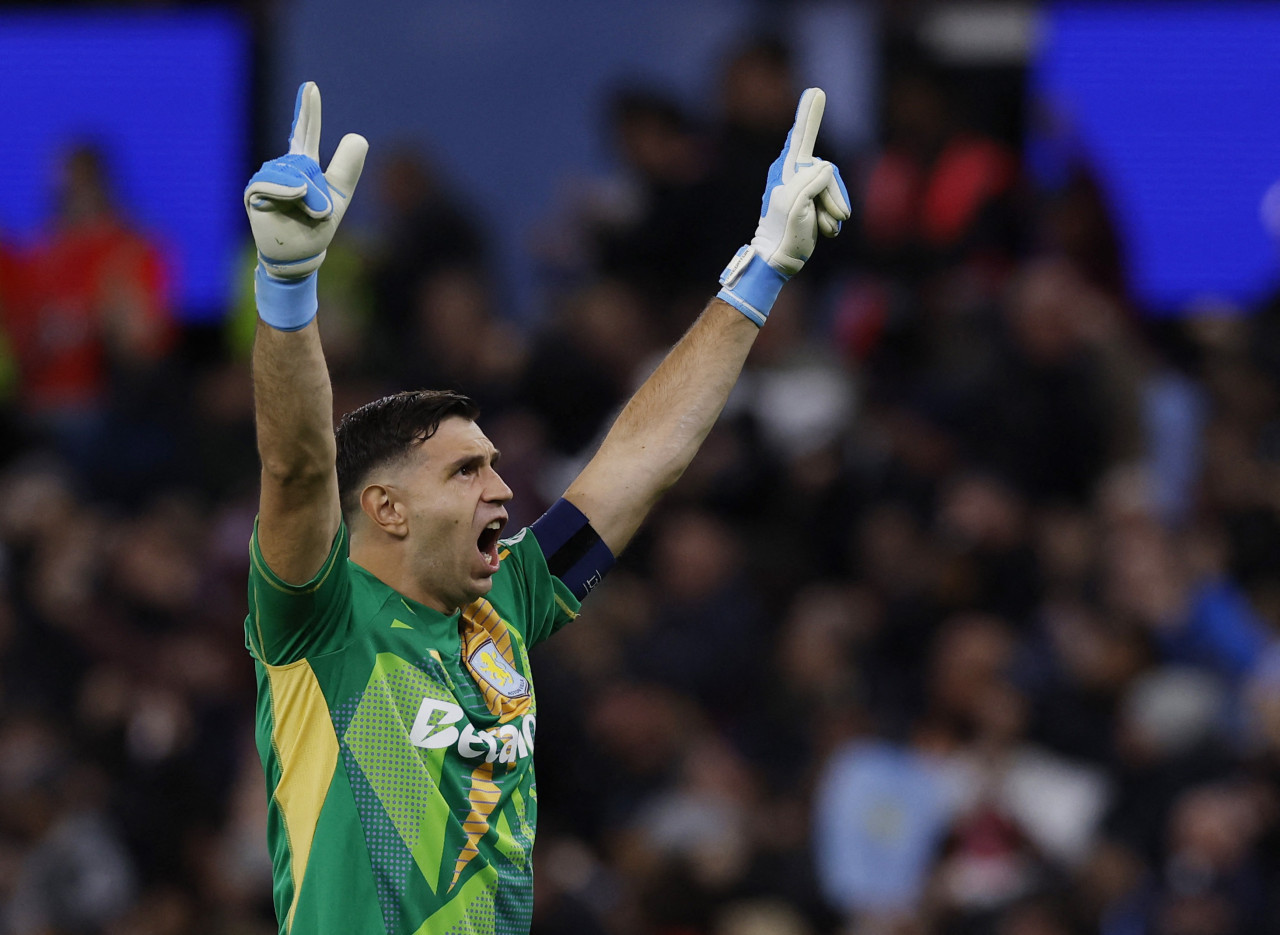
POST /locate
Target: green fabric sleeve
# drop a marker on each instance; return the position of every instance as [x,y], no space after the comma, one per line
[288,622]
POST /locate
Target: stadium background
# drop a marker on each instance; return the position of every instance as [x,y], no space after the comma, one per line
[965,619]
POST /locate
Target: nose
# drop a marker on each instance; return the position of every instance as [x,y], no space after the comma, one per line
[496,490]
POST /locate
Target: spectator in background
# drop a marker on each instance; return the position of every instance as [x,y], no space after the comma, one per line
[10,280]
[881,812]
[704,599]
[1074,218]
[586,361]
[423,229]
[940,234]
[650,233]
[757,85]
[937,193]
[75,874]
[91,320]
[1077,223]
[1059,406]
[454,337]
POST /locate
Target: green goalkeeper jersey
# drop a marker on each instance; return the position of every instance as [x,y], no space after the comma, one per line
[398,747]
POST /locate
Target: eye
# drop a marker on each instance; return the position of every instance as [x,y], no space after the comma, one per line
[467,470]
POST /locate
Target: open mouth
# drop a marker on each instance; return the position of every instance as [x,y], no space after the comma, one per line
[488,543]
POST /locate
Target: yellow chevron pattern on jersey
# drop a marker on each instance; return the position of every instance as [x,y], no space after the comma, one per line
[483,796]
[307,750]
[480,624]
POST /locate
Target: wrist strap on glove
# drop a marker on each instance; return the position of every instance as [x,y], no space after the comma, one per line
[285,304]
[750,284]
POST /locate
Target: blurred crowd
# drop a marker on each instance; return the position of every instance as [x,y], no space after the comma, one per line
[963,622]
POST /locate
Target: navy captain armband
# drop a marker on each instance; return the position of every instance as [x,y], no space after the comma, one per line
[574,551]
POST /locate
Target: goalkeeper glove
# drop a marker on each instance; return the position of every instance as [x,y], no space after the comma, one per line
[294,210]
[803,195]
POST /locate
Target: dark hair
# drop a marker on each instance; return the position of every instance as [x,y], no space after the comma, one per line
[386,430]
[639,102]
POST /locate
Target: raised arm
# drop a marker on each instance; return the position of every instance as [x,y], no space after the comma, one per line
[660,430]
[294,210]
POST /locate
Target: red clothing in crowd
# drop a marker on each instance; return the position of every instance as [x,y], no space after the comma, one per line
[90,296]
[935,205]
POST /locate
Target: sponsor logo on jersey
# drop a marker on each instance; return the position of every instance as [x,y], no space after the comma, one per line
[437,727]
[491,666]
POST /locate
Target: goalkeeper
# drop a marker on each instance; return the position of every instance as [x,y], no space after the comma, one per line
[389,618]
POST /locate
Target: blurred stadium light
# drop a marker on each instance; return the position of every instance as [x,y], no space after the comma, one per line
[1175,106]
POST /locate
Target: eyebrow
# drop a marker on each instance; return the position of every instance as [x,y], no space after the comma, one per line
[477,460]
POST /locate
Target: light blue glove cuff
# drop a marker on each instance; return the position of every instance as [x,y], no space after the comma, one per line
[285,304]
[750,284]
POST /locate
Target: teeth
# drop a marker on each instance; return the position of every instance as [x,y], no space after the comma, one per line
[495,525]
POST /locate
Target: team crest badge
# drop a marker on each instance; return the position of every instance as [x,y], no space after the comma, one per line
[491,666]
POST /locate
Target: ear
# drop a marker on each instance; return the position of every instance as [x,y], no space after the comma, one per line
[387,512]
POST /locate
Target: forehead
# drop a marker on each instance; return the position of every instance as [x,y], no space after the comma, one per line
[454,438]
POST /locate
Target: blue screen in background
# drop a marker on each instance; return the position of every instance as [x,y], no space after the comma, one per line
[1178,108]
[165,96]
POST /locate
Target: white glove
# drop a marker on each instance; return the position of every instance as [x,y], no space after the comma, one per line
[293,208]
[803,196]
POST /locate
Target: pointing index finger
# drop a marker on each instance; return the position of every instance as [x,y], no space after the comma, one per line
[805,132]
[304,137]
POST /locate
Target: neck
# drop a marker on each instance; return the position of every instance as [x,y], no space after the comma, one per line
[390,565]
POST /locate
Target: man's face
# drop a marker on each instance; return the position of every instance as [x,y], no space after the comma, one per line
[455,503]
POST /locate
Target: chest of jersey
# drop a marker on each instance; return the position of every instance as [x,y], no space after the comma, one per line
[463,689]
[399,749]
[440,735]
